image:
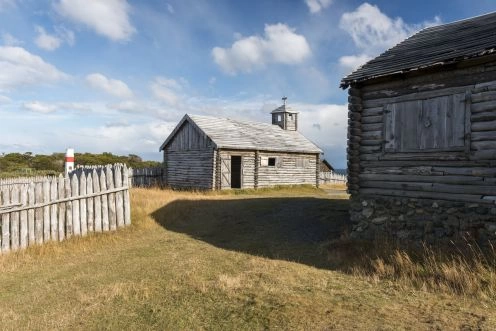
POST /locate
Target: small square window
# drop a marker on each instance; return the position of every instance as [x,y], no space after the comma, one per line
[272,161]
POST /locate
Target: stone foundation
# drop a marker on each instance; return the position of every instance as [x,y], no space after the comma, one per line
[417,220]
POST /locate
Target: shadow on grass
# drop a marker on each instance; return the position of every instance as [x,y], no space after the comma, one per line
[292,229]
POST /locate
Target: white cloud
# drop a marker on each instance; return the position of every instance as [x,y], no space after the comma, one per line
[40,107]
[166,90]
[109,18]
[170,9]
[46,41]
[5,99]
[51,42]
[280,44]
[352,62]
[316,6]
[19,68]
[373,32]
[111,86]
[10,40]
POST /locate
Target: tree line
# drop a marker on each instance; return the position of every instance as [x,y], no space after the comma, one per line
[27,164]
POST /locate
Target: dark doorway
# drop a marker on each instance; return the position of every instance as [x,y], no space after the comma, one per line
[235,171]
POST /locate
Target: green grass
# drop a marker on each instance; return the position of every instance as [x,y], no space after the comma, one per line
[219,262]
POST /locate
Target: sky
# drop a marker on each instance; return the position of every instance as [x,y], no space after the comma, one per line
[118,75]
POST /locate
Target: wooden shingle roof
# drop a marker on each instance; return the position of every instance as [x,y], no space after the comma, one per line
[247,135]
[430,47]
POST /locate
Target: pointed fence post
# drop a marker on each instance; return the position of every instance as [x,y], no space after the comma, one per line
[127,205]
[76,221]
[53,210]
[61,208]
[82,203]
[38,217]
[23,240]
[98,202]
[14,220]
[6,221]
[68,208]
[46,211]
[31,212]
[105,211]
[119,199]
[111,199]
[90,203]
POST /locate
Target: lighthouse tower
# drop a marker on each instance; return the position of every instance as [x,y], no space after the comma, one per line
[69,161]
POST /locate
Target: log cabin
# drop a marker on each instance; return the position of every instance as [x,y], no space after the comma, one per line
[422,136]
[206,153]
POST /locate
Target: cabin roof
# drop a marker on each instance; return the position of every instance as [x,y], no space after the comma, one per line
[247,135]
[284,109]
[432,47]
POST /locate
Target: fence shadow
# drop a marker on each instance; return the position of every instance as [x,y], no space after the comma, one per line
[293,229]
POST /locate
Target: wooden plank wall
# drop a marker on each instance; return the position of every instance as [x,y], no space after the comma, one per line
[190,169]
[189,138]
[286,172]
[58,208]
[469,175]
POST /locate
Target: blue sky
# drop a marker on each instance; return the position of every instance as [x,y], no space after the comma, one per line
[117,75]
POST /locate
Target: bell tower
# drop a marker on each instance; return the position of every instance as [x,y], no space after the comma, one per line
[285,117]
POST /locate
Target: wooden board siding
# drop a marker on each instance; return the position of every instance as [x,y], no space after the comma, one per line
[285,172]
[190,169]
[187,138]
[461,168]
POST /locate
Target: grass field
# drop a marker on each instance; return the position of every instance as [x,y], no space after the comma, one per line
[245,260]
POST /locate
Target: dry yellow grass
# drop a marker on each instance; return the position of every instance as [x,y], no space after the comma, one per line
[252,260]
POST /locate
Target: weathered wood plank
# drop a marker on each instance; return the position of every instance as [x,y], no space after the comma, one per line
[105,208]
[31,214]
[6,221]
[90,203]
[98,202]
[46,211]
[14,220]
[23,226]
[119,199]
[61,209]
[38,221]
[111,199]
[82,204]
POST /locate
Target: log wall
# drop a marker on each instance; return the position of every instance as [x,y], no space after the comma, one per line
[287,172]
[464,176]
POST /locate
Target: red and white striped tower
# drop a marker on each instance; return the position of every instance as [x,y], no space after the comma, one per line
[69,161]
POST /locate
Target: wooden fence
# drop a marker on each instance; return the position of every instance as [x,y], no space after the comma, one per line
[23,180]
[143,177]
[57,208]
[331,177]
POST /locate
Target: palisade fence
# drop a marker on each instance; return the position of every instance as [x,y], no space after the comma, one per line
[57,208]
[143,177]
[332,177]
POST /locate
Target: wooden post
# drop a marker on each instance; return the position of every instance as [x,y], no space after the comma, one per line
[111,199]
[23,240]
[6,221]
[127,205]
[68,209]
[82,204]
[14,220]
[53,210]
[31,218]
[119,199]
[89,203]
[46,211]
[76,219]
[38,217]
[61,209]
[98,202]
[105,211]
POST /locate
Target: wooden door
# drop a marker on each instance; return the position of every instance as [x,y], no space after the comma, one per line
[225,172]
